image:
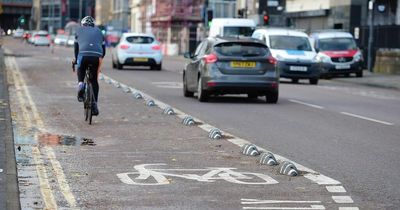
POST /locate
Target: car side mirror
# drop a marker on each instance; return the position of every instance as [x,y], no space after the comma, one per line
[188,55]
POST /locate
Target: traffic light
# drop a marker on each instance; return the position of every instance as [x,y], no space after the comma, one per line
[21,20]
[210,16]
[266,19]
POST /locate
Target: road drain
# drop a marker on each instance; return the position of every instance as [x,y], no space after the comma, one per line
[64,140]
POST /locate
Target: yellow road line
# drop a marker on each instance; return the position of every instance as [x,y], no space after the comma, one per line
[58,171]
[43,179]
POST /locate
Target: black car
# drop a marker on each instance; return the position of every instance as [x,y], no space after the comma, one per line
[231,66]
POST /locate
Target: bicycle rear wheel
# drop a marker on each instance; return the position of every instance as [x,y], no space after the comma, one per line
[86,103]
[91,100]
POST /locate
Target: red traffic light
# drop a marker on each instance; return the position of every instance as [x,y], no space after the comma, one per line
[266,18]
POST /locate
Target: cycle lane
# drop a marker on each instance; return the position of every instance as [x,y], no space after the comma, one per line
[101,170]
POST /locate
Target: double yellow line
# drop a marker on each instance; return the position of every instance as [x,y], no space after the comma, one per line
[32,118]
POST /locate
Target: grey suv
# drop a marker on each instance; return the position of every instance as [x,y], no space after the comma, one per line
[231,66]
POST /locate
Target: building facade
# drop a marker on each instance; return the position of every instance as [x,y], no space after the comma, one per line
[312,15]
[121,15]
[136,16]
[55,14]
[104,12]
[257,9]
[15,14]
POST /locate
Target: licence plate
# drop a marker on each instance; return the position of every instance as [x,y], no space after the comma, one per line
[342,67]
[240,64]
[298,68]
[140,59]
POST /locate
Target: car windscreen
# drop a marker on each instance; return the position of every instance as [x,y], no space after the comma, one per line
[234,31]
[241,49]
[280,42]
[336,44]
[140,39]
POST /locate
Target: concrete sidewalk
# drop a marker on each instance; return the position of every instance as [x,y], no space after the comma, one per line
[9,196]
[369,79]
[374,80]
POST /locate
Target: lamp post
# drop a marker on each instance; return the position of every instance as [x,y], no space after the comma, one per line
[371,33]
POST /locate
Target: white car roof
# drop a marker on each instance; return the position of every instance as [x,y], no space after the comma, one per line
[279,31]
[137,34]
[234,22]
[326,35]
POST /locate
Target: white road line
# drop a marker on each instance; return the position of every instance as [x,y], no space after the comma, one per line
[342,199]
[336,189]
[256,201]
[1,170]
[349,208]
[366,118]
[306,104]
[319,207]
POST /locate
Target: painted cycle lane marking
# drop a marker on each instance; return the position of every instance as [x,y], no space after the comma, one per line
[143,175]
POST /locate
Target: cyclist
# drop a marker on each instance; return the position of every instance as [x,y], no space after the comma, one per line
[90,49]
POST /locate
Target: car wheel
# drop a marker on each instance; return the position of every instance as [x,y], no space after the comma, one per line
[295,80]
[314,81]
[186,92]
[272,97]
[119,66]
[159,67]
[359,74]
[202,95]
[113,65]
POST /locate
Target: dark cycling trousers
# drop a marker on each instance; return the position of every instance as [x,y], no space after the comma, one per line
[94,62]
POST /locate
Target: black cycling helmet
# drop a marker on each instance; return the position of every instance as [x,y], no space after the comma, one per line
[87,21]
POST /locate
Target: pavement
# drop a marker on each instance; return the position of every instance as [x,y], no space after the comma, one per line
[8,181]
[369,78]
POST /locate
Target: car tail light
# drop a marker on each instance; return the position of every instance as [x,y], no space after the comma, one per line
[48,37]
[275,85]
[211,84]
[156,47]
[211,58]
[124,46]
[272,60]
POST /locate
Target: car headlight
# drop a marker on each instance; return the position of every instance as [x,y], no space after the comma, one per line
[358,57]
[321,58]
[279,58]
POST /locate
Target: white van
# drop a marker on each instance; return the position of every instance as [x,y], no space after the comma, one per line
[293,50]
[232,27]
[338,53]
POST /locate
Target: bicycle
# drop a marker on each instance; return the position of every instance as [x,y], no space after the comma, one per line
[88,96]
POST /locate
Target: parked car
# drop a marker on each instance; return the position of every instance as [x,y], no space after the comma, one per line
[232,27]
[137,49]
[294,52]
[338,53]
[41,38]
[18,33]
[61,39]
[224,65]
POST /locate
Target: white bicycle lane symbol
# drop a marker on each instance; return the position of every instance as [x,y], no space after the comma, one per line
[145,176]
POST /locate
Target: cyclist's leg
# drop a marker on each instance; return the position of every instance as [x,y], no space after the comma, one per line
[94,61]
[81,65]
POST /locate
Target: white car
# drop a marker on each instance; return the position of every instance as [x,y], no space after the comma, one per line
[61,39]
[18,33]
[70,41]
[232,27]
[41,38]
[293,50]
[137,49]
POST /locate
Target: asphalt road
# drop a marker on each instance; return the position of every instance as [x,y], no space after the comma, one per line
[347,132]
